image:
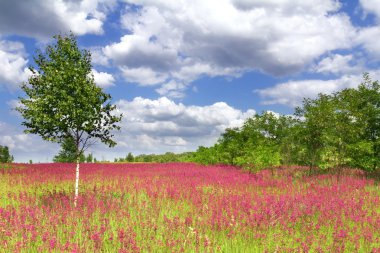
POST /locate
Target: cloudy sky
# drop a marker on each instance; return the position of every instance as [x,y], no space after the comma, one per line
[181,71]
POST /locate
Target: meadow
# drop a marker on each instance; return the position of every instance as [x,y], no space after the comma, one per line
[185,207]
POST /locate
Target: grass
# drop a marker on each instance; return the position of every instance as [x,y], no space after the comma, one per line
[186,208]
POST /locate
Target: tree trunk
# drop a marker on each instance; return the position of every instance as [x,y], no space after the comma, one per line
[375,152]
[76,183]
[312,164]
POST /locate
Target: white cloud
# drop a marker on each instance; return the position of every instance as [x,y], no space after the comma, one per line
[289,6]
[143,76]
[192,70]
[26,146]
[172,89]
[157,126]
[184,40]
[103,79]
[339,64]
[368,38]
[174,141]
[13,104]
[13,63]
[42,19]
[371,6]
[98,57]
[291,93]
[138,50]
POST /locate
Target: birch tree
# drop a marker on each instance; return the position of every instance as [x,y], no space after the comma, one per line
[62,100]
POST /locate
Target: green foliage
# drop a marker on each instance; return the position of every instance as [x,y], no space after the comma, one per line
[62,101]
[331,131]
[261,142]
[68,152]
[212,155]
[130,157]
[343,129]
[89,158]
[5,156]
[366,114]
[161,158]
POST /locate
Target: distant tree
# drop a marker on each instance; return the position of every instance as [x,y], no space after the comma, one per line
[89,158]
[5,156]
[145,158]
[130,157]
[62,100]
[160,158]
[208,155]
[68,152]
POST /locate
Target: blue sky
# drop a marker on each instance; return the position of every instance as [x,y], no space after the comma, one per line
[182,71]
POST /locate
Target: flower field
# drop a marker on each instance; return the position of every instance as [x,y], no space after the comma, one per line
[185,208]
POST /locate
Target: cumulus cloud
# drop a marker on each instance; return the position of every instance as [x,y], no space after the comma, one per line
[103,79]
[371,6]
[339,64]
[143,76]
[212,46]
[291,93]
[136,51]
[367,36]
[26,146]
[13,104]
[42,19]
[288,6]
[172,89]
[98,57]
[163,125]
[13,70]
[183,40]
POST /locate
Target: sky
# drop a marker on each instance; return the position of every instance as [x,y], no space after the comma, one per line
[182,71]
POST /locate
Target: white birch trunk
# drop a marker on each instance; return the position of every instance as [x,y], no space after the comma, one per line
[76,184]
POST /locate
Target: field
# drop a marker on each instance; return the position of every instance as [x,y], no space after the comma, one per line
[186,208]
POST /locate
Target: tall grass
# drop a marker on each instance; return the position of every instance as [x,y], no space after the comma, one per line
[186,208]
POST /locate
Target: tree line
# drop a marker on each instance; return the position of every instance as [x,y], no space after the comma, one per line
[157,158]
[330,131]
